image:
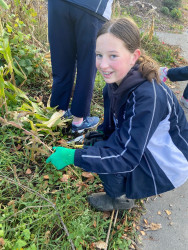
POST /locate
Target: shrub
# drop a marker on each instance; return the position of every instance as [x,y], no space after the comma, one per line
[176,14]
[171,4]
[165,11]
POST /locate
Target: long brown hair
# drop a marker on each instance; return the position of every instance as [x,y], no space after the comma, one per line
[126,30]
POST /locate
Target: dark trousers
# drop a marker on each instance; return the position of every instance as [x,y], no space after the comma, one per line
[185,92]
[114,184]
[72,37]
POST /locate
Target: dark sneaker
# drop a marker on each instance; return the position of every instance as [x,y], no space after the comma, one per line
[67,115]
[89,122]
[103,202]
[184,101]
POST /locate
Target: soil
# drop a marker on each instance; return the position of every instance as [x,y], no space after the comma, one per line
[145,9]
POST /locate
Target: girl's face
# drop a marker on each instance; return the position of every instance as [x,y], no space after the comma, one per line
[113,59]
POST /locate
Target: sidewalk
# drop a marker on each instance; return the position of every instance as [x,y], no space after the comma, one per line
[169,210]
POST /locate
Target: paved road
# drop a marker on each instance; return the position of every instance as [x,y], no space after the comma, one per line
[170,209]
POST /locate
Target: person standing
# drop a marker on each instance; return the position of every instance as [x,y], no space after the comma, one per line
[72,28]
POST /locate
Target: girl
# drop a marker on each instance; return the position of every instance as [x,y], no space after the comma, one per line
[145,150]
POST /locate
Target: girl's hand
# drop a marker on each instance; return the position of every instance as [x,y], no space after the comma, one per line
[61,157]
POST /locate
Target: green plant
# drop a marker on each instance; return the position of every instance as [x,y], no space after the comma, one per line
[159,51]
[171,4]
[176,14]
[165,11]
[18,47]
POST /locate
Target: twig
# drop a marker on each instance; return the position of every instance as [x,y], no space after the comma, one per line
[115,218]
[109,229]
[15,174]
[40,44]
[42,197]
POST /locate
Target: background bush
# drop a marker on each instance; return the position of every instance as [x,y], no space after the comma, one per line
[176,14]
[165,11]
[171,4]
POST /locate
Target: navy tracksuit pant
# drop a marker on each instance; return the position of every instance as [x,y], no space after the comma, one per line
[72,37]
[185,92]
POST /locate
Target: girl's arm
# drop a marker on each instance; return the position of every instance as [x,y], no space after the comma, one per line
[178,74]
[122,152]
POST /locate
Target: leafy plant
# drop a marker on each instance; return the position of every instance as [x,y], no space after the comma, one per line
[18,48]
[165,11]
[171,4]
[176,14]
[161,52]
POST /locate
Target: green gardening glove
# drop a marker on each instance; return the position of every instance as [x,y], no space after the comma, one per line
[61,157]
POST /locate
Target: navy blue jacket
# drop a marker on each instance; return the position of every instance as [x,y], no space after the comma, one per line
[148,138]
[99,7]
[178,74]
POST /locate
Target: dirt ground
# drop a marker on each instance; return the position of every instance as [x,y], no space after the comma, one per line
[146,8]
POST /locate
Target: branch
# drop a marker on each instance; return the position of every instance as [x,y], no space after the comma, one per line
[109,229]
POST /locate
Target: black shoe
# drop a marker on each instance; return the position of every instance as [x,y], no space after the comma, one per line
[103,202]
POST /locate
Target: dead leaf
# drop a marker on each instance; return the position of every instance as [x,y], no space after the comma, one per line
[81,185]
[47,237]
[28,171]
[132,246]
[106,215]
[68,196]
[168,212]
[145,221]
[134,224]
[18,147]
[62,142]
[142,233]
[87,175]
[65,178]
[124,236]
[95,224]
[54,119]
[153,226]
[2,242]
[46,177]
[100,244]
[54,191]
[11,203]
[47,55]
